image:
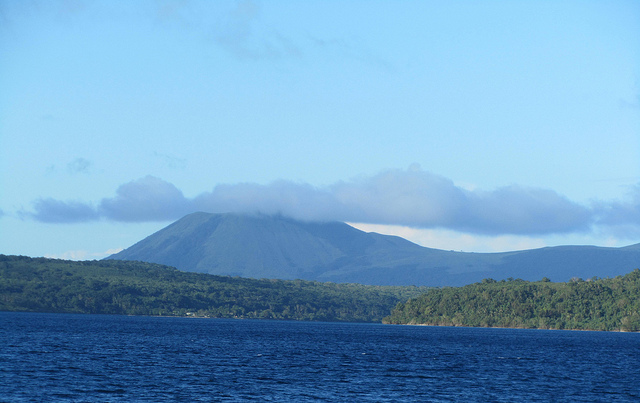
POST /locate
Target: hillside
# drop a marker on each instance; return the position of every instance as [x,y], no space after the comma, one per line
[599,304]
[137,288]
[259,246]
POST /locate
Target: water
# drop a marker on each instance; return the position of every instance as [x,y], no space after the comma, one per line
[94,358]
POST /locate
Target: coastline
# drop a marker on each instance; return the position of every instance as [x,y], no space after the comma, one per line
[513,328]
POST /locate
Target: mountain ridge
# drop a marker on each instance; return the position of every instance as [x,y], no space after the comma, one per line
[262,246]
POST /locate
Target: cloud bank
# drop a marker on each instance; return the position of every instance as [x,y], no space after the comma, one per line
[622,216]
[412,197]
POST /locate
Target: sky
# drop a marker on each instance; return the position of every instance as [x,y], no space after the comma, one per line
[461,125]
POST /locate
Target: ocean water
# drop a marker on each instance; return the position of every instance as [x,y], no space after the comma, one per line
[98,358]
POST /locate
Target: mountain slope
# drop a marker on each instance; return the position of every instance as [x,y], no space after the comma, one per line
[263,246]
[259,246]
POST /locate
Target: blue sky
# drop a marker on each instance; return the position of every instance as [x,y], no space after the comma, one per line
[476,126]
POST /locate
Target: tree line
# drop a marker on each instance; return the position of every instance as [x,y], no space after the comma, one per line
[138,288]
[597,304]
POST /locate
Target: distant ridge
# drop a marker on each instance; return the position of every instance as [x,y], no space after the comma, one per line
[261,246]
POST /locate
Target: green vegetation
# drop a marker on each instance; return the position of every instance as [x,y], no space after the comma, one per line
[597,304]
[137,288]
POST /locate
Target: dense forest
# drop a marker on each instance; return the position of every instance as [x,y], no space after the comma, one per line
[597,304]
[137,288]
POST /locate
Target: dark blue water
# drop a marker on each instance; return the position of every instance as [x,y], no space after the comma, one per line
[94,358]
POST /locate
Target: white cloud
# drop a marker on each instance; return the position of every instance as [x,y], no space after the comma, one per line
[55,211]
[410,198]
[145,199]
[453,240]
[79,165]
[82,254]
[243,36]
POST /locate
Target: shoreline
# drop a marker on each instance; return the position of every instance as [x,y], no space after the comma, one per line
[513,328]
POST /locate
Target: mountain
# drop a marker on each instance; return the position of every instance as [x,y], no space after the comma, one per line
[260,246]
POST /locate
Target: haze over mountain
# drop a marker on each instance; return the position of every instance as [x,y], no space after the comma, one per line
[261,246]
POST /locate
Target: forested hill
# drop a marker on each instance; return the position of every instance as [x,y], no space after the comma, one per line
[137,288]
[599,304]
